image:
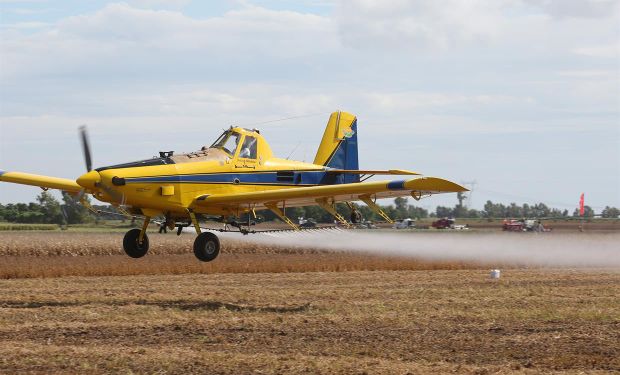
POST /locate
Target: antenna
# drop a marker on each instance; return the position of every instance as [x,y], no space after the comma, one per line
[294,149]
[471,185]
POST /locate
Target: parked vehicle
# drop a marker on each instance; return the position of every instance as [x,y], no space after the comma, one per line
[445,223]
[306,223]
[404,224]
[523,225]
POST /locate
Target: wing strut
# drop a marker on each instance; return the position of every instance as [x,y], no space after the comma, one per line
[276,210]
[324,203]
[373,206]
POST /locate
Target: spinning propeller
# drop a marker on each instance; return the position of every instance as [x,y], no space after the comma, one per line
[92,179]
[86,148]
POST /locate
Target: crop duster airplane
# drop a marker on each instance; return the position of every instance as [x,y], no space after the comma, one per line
[237,175]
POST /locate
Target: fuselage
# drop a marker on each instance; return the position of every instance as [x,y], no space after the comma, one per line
[169,184]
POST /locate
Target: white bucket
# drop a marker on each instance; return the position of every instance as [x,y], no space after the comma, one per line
[495,274]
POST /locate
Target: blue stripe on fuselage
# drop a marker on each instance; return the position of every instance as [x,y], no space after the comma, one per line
[396,185]
[272,178]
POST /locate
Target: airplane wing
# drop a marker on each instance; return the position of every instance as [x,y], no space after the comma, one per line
[40,181]
[307,196]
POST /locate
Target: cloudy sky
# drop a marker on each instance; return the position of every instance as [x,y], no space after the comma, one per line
[521,96]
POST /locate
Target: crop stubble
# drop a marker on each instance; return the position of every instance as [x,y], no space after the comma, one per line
[229,318]
[349,322]
[100,254]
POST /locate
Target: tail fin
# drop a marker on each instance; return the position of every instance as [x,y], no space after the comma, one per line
[338,148]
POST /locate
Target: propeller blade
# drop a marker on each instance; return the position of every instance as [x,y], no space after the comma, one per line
[63,211]
[86,148]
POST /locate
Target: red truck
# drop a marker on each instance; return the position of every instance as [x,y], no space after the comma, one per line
[444,223]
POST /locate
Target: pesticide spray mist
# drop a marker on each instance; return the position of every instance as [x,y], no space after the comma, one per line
[518,249]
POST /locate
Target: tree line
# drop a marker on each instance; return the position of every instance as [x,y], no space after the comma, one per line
[48,210]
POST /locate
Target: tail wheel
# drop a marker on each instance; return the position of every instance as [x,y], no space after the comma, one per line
[132,245]
[206,246]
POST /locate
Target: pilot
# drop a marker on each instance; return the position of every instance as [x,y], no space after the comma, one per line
[245,152]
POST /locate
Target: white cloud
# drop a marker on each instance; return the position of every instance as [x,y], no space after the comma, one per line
[577,8]
[25,25]
[168,4]
[120,37]
[610,51]
[450,78]
[416,25]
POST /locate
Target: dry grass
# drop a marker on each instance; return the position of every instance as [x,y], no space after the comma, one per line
[90,244]
[531,321]
[100,254]
[270,310]
[22,227]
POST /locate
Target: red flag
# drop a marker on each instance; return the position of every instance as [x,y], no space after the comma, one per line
[581,210]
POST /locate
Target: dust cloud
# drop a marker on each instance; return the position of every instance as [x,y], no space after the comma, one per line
[519,249]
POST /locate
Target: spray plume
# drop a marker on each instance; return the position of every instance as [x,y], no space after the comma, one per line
[519,249]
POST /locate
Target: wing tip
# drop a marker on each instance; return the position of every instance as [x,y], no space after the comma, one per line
[436,184]
[404,172]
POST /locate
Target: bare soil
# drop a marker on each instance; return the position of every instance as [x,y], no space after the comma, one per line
[71,303]
[388,322]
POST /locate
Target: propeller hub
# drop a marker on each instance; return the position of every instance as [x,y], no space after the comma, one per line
[89,180]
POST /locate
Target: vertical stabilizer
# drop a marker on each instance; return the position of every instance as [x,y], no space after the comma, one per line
[338,147]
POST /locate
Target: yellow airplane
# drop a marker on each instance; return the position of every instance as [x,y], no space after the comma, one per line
[237,175]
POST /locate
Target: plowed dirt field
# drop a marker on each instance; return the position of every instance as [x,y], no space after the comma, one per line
[376,318]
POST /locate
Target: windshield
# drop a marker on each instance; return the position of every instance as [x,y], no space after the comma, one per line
[228,142]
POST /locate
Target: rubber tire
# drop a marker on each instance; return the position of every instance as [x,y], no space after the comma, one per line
[206,247]
[131,245]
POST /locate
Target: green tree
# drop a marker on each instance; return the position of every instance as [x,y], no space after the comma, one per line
[472,213]
[416,212]
[587,212]
[610,212]
[493,210]
[540,210]
[50,207]
[76,213]
[401,207]
[313,212]
[442,211]
[460,210]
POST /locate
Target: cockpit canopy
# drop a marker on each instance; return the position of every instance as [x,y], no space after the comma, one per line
[229,143]
[225,147]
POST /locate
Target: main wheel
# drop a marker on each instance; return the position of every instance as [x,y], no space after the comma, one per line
[132,245]
[206,246]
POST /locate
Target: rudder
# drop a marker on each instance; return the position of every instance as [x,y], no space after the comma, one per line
[338,147]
